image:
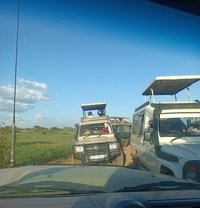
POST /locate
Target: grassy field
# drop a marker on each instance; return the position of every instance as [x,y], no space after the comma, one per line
[36,145]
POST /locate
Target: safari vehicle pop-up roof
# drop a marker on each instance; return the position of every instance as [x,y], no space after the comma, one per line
[98,108]
[171,85]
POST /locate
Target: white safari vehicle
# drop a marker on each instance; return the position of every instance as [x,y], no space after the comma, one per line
[165,136]
[95,142]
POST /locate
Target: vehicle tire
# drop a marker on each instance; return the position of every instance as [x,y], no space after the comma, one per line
[120,160]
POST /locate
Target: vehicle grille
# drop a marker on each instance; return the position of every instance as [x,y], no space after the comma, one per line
[96,149]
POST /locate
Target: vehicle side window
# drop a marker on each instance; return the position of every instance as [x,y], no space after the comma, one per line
[138,124]
[150,139]
[119,129]
[126,128]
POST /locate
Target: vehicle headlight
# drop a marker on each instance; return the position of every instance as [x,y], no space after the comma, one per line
[78,148]
[113,146]
[191,171]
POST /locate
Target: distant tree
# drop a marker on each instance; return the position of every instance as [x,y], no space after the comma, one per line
[36,127]
[40,129]
[55,129]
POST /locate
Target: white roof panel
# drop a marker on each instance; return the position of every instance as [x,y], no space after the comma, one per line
[170,85]
[93,106]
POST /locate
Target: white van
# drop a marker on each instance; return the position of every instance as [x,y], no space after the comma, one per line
[165,136]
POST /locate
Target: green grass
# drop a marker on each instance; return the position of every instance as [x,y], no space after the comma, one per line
[38,145]
[4,145]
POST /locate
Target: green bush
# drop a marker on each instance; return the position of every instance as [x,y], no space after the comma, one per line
[5,145]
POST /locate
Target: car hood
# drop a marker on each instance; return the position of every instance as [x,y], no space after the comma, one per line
[73,177]
[183,148]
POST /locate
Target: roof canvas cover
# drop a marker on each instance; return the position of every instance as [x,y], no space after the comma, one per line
[93,106]
[170,85]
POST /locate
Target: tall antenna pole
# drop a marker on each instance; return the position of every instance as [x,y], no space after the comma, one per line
[13,159]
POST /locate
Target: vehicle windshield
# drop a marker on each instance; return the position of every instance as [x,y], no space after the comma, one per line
[72,70]
[95,129]
[172,125]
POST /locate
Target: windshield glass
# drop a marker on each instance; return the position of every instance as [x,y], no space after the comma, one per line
[172,125]
[95,129]
[73,73]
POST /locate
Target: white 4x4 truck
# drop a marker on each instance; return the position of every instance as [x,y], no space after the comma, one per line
[165,136]
[95,142]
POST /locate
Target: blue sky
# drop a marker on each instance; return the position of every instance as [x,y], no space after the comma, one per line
[74,52]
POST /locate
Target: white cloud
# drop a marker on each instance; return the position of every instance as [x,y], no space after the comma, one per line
[7,105]
[6,92]
[39,116]
[28,93]
[34,85]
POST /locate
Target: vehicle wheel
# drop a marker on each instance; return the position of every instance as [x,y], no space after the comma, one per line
[120,160]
